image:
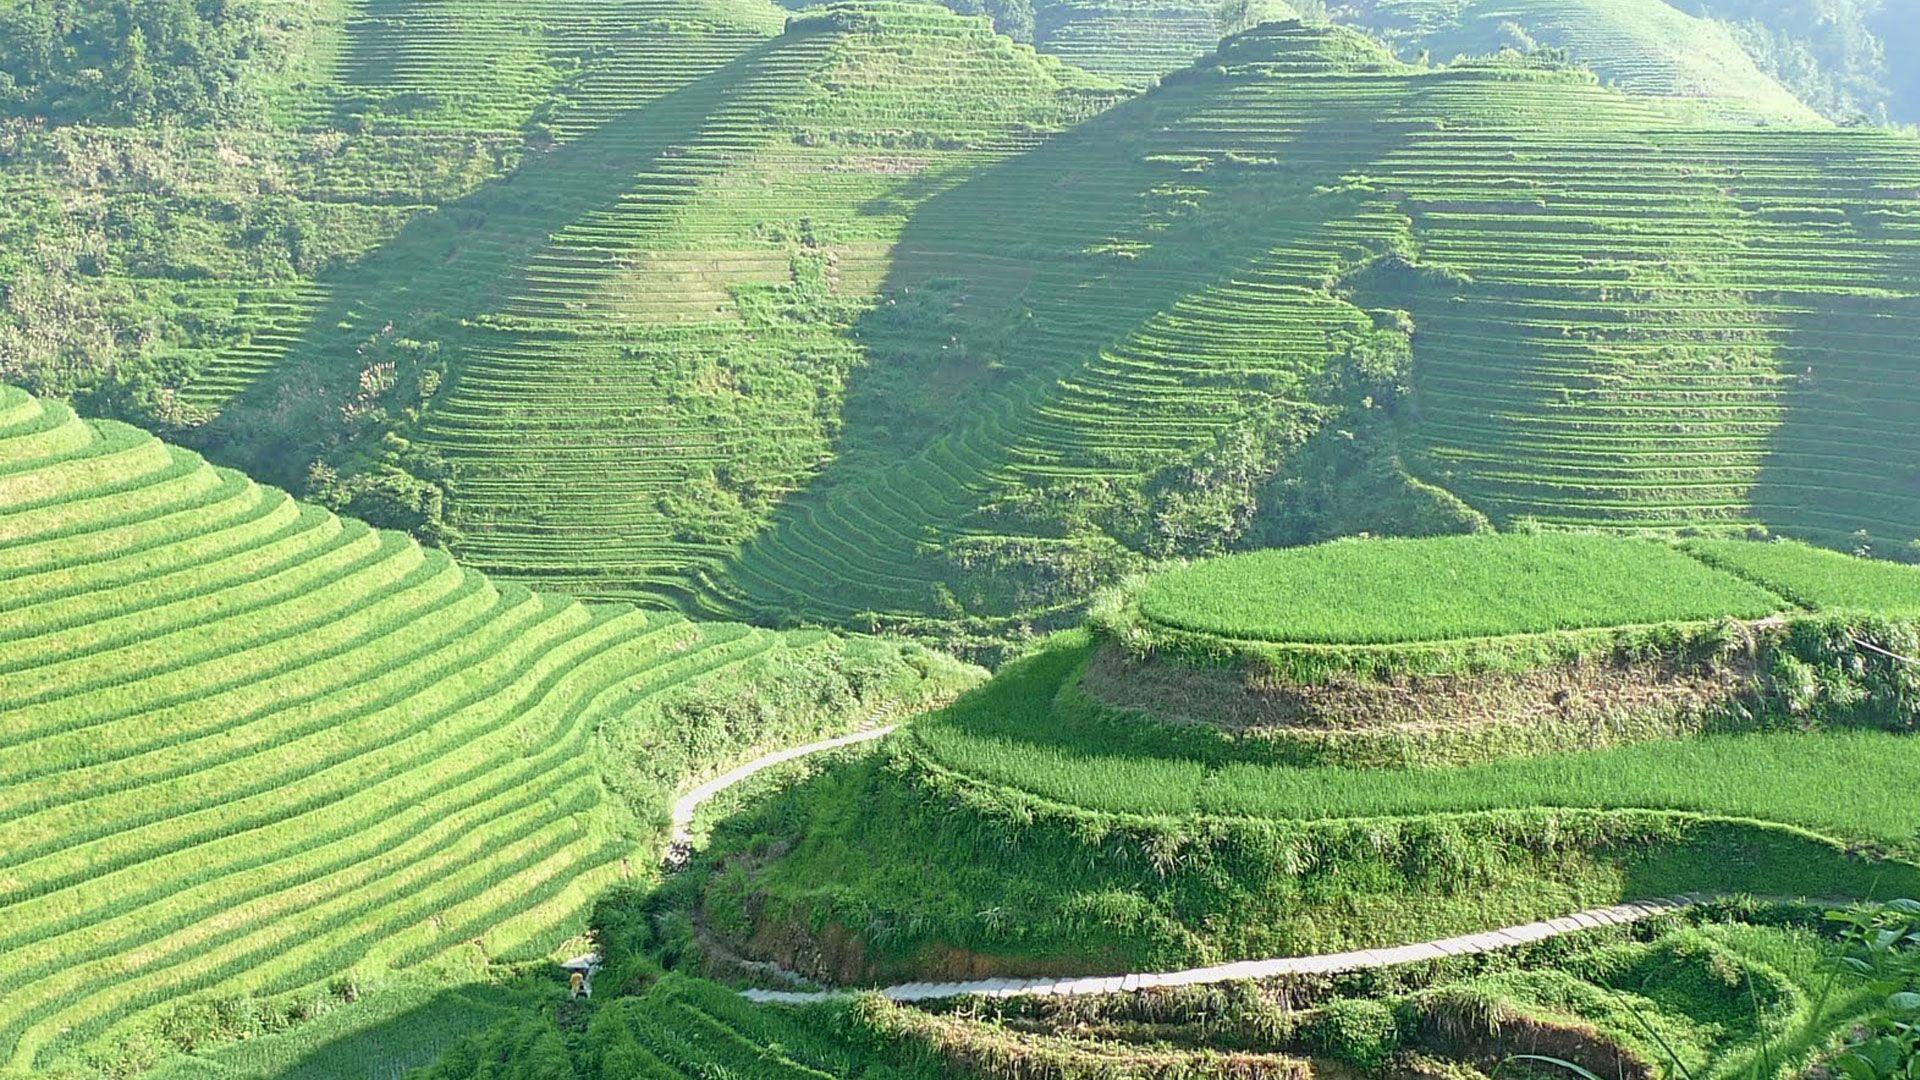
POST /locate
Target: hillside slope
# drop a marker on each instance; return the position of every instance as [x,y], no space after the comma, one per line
[250,747]
[1732,58]
[646,345]
[1642,46]
[1843,57]
[158,267]
[1502,292]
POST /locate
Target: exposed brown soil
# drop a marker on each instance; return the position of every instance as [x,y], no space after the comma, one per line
[1582,705]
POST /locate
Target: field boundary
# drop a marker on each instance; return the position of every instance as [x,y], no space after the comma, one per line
[1324,964]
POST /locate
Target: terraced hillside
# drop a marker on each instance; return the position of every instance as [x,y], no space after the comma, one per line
[160,271]
[1183,788]
[1502,293]
[251,747]
[676,310]
[667,365]
[1131,41]
[646,346]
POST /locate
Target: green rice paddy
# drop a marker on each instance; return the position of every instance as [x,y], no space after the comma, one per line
[1390,591]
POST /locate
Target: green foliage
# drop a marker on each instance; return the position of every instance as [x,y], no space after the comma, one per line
[783,697]
[685,1028]
[1357,1031]
[133,60]
[1840,56]
[1057,836]
[1883,949]
[1647,46]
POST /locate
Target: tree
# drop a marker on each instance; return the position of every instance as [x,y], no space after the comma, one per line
[133,61]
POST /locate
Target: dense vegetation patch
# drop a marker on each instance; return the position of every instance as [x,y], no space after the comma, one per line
[1648,46]
[137,60]
[1840,56]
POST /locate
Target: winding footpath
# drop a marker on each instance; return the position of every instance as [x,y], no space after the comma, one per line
[680,840]
[681,846]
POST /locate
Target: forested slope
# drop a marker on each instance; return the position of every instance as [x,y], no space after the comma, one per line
[1642,46]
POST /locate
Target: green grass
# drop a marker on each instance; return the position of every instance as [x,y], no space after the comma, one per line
[686,1028]
[1060,841]
[383,1036]
[1855,785]
[1394,591]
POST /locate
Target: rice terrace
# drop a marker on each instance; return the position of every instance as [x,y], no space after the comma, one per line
[922,539]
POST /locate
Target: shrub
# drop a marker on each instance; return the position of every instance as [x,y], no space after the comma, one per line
[1357,1031]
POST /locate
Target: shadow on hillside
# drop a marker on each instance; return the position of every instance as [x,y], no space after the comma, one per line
[381,1037]
[1017,278]
[442,271]
[1845,459]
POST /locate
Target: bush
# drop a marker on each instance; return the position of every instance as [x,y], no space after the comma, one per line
[1360,1032]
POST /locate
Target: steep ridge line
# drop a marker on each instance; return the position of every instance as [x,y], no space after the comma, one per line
[1325,964]
[680,842]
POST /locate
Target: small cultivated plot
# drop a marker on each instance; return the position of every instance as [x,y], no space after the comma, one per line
[257,760]
[1632,721]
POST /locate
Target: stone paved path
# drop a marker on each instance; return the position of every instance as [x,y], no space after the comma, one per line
[681,845]
[680,842]
[1490,941]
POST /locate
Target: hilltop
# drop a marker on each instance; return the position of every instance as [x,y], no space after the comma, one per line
[1242,760]
[256,753]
